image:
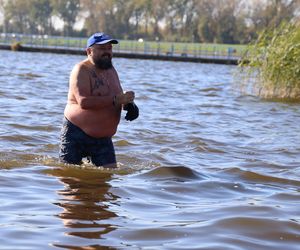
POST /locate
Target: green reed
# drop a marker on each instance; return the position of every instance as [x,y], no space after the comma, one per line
[272,63]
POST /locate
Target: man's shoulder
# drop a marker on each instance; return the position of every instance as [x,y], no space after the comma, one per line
[113,69]
[85,65]
[82,67]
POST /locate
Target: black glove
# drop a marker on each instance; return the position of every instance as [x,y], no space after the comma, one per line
[132,111]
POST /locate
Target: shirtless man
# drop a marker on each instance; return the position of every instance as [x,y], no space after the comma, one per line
[93,110]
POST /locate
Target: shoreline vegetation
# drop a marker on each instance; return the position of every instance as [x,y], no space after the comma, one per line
[271,65]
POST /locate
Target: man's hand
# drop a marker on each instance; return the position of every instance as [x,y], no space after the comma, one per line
[125,98]
[132,111]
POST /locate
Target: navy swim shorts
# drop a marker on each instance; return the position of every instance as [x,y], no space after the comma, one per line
[76,144]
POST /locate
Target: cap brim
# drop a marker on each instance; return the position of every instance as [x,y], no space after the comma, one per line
[113,41]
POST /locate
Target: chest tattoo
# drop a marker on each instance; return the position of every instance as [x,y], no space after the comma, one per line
[96,83]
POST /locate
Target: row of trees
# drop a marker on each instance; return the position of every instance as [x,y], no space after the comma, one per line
[222,21]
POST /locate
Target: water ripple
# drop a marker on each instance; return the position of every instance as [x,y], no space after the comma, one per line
[204,167]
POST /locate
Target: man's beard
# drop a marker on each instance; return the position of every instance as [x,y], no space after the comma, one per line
[103,63]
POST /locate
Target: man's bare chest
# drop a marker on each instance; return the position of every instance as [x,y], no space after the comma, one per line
[103,84]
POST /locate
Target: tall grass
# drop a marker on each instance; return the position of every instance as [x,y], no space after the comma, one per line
[272,63]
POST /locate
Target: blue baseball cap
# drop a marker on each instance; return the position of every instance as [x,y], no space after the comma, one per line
[100,38]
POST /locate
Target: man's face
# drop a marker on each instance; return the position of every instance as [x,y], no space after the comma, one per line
[102,55]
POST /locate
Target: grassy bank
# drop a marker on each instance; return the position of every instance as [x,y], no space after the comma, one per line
[189,48]
[153,47]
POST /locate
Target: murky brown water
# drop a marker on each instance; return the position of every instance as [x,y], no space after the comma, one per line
[204,167]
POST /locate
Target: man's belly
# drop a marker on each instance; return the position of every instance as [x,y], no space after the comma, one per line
[96,123]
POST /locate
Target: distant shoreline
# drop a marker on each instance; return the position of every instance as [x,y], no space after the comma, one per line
[129,55]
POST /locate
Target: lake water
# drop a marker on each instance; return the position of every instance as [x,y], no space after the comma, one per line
[204,166]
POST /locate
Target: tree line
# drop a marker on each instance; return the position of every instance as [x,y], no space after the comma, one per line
[209,21]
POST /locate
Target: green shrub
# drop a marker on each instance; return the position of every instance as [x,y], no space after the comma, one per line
[272,64]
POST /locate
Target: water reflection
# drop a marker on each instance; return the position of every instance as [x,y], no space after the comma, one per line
[84,202]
